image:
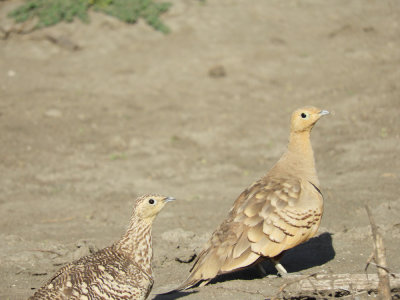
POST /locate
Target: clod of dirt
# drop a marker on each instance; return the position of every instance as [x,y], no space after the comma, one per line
[217,71]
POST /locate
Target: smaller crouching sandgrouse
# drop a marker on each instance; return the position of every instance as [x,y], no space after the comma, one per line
[121,271]
[276,213]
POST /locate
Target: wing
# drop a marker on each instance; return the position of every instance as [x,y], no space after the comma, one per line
[269,217]
[105,274]
[278,215]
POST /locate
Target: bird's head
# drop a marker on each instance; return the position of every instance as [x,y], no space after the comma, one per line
[148,206]
[303,119]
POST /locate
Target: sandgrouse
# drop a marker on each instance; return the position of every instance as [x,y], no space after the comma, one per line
[276,213]
[121,271]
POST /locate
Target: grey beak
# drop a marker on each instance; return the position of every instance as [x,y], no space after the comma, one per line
[323,112]
[169,199]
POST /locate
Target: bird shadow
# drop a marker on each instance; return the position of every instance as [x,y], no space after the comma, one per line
[315,252]
[174,295]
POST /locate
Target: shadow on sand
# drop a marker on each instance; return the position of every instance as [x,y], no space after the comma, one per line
[315,252]
[172,296]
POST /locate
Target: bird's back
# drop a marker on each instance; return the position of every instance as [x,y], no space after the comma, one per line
[107,274]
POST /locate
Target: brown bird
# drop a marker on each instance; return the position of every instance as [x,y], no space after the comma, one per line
[274,214]
[121,271]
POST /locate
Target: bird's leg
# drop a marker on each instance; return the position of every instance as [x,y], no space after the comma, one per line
[261,270]
[281,270]
[259,266]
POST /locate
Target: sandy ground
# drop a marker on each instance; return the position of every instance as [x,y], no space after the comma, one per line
[93,115]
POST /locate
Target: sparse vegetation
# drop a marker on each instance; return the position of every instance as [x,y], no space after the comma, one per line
[50,12]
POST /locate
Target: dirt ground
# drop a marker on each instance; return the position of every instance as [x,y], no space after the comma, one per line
[93,115]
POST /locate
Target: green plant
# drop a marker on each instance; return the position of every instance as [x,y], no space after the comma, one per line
[131,10]
[50,12]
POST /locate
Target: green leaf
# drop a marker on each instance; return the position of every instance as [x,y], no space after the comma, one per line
[50,12]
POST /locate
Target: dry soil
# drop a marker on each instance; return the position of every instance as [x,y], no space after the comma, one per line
[93,115]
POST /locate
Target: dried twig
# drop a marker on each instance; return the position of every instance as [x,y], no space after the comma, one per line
[186,261]
[316,290]
[370,258]
[63,42]
[39,274]
[386,269]
[380,259]
[334,283]
[286,284]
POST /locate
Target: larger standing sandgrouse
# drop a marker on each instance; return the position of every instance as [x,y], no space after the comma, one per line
[276,213]
[121,271]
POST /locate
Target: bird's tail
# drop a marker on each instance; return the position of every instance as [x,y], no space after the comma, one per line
[191,281]
[187,284]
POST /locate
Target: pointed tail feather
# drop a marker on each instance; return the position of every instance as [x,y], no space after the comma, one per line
[192,282]
[187,284]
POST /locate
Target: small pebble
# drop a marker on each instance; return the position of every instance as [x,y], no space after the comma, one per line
[11,73]
[53,113]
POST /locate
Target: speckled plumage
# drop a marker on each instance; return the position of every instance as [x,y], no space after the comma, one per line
[121,271]
[276,213]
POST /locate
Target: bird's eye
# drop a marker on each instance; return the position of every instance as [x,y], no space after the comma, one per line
[152,201]
[304,115]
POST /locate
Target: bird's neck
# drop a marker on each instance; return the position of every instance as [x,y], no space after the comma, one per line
[136,244]
[299,157]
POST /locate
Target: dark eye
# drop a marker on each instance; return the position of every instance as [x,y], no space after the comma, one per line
[303,115]
[152,201]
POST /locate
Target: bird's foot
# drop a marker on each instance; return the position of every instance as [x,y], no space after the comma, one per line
[281,270]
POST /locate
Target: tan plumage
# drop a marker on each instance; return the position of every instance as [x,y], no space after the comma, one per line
[121,271]
[276,213]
